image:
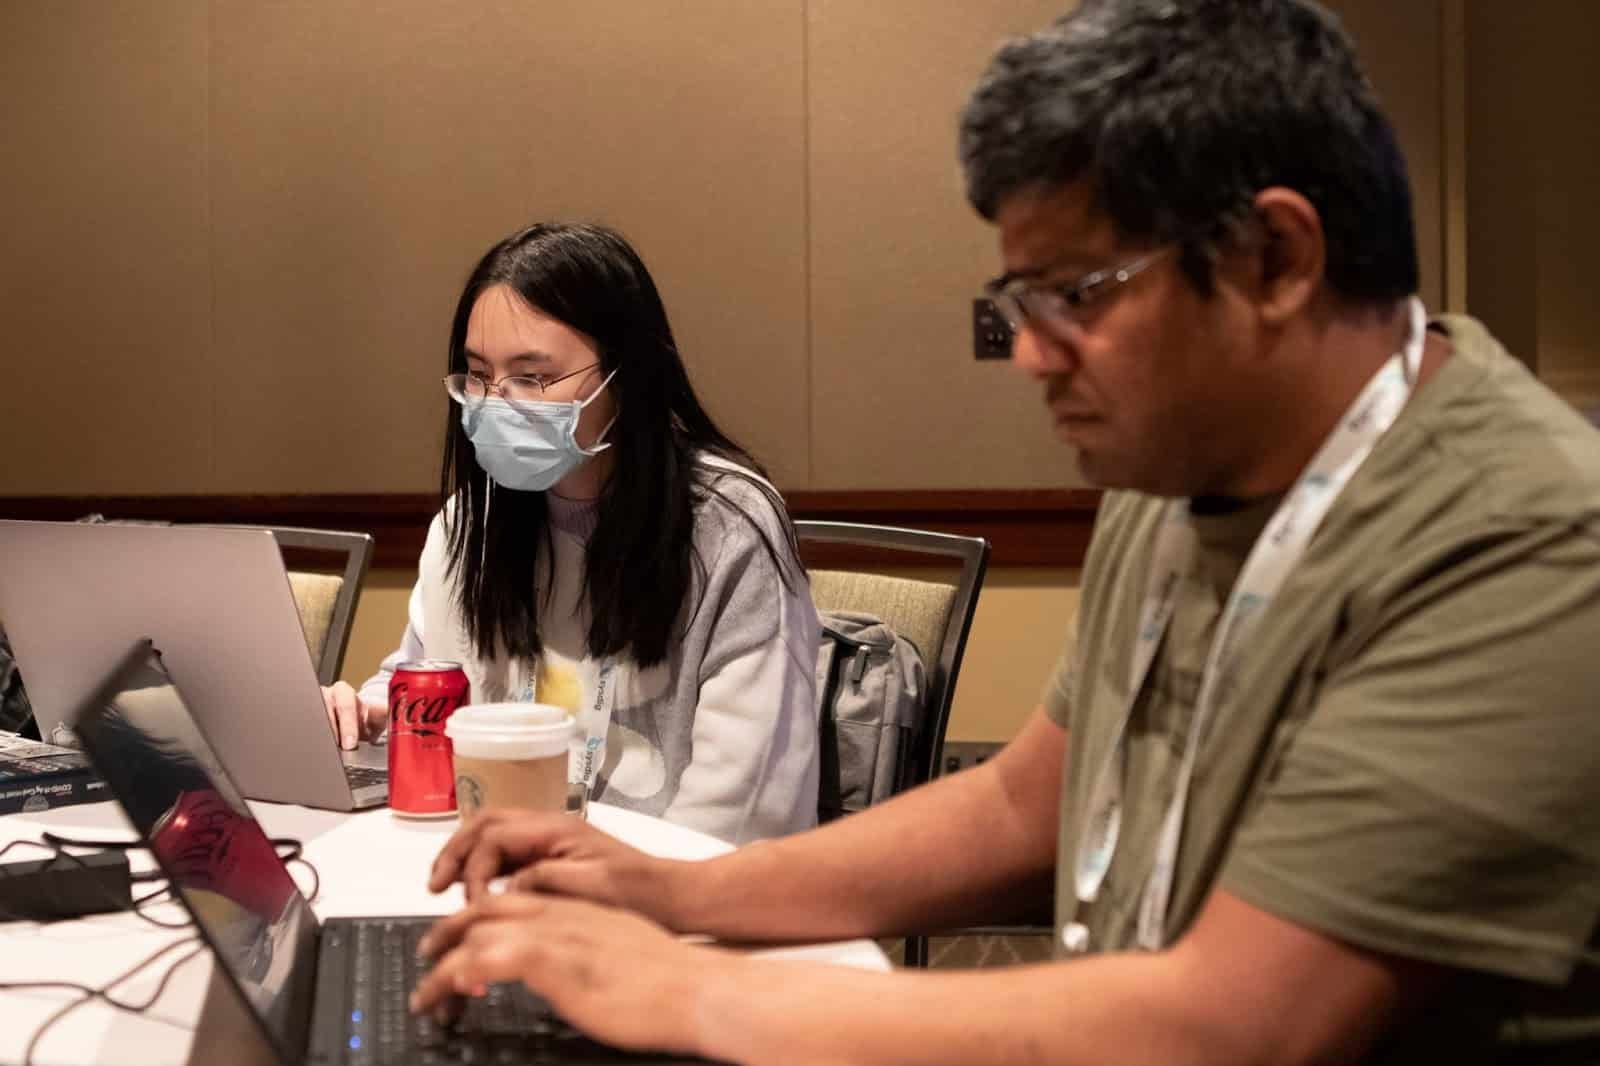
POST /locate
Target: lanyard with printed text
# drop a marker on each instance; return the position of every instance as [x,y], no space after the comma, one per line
[1276,551]
[594,721]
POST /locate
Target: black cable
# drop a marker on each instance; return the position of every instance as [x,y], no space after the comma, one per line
[29,844]
[77,842]
[103,990]
[140,901]
[293,844]
[89,994]
[57,845]
[60,853]
[58,841]
[316,878]
[294,852]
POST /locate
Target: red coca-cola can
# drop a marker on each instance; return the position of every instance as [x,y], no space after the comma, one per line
[423,694]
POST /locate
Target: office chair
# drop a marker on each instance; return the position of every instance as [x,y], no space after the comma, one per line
[934,615]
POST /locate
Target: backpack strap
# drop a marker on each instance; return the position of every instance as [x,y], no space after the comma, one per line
[841,650]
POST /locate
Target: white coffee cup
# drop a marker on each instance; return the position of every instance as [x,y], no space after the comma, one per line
[510,755]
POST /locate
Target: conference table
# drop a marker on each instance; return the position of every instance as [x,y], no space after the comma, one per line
[368,863]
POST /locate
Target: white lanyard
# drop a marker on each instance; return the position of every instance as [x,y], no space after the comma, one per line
[1276,551]
[595,721]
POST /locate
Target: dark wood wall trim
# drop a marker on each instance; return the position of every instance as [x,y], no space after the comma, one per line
[1027,527]
[1024,527]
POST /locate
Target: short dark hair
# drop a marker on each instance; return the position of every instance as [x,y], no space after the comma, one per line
[1179,111]
[641,561]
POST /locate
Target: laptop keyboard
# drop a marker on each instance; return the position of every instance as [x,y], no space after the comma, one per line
[364,776]
[509,1025]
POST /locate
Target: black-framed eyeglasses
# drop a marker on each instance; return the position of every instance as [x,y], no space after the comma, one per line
[1023,301]
[472,388]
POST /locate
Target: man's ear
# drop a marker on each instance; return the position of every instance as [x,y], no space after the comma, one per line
[1293,254]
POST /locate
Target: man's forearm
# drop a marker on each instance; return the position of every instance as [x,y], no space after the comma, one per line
[1242,987]
[937,856]
[1112,1009]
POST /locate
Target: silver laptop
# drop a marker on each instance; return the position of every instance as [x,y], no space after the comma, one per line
[74,596]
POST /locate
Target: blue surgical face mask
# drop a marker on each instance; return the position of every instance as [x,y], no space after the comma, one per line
[532,446]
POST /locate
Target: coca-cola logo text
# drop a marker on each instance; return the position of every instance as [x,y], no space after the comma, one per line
[209,845]
[194,840]
[423,711]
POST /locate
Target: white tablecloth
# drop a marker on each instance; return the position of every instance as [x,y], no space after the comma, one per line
[369,863]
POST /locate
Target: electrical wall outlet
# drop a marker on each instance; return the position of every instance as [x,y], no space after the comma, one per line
[962,754]
[991,333]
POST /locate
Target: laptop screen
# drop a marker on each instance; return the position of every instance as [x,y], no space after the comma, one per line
[145,743]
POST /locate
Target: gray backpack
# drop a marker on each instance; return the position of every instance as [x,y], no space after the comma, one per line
[871,690]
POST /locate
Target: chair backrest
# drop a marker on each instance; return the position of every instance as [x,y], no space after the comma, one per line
[934,615]
[325,595]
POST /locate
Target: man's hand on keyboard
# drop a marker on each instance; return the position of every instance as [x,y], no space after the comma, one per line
[614,975]
[556,854]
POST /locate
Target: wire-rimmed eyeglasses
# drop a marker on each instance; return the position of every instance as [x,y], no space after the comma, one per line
[1024,301]
[472,388]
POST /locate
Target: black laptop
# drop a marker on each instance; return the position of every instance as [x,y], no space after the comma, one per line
[320,992]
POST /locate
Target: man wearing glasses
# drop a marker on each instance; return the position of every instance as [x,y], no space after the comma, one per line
[1318,779]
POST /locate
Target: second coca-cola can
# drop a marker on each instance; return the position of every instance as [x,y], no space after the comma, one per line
[423,694]
[206,842]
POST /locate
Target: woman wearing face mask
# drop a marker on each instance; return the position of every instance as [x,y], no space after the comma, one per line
[598,526]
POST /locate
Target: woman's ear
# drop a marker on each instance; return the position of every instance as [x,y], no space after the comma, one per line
[1293,254]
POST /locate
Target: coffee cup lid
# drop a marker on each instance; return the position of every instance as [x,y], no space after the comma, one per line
[510,730]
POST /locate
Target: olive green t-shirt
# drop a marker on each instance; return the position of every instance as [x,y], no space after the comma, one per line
[1410,759]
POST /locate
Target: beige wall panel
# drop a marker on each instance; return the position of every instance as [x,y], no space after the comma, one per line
[364,162]
[1017,636]
[1502,145]
[1533,164]
[1399,44]
[104,292]
[1561,98]
[897,257]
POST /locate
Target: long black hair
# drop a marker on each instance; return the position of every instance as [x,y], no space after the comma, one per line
[641,560]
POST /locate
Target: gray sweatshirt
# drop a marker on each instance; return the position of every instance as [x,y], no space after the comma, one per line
[722,736]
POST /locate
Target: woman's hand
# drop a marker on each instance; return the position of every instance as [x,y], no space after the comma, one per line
[557,854]
[352,720]
[614,975]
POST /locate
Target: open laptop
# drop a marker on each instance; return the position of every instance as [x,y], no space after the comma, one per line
[74,596]
[319,992]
